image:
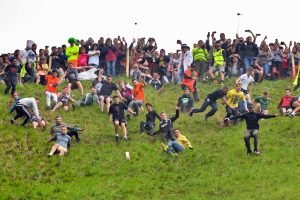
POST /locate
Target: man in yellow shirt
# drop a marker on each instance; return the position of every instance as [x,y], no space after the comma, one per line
[182,140]
[233,97]
[72,52]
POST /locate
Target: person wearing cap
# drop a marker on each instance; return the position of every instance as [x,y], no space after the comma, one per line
[185,60]
[219,57]
[149,125]
[51,88]
[190,80]
[252,119]
[185,102]
[72,52]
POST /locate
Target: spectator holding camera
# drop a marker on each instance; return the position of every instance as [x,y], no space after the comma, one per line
[265,58]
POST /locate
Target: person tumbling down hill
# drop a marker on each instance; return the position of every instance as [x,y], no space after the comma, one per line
[89,98]
[252,119]
[185,101]
[177,145]
[22,106]
[149,125]
[63,100]
[62,142]
[166,126]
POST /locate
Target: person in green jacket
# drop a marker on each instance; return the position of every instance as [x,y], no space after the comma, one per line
[72,52]
[200,56]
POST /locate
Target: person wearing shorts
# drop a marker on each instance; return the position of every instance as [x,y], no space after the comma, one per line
[63,142]
[219,63]
[117,116]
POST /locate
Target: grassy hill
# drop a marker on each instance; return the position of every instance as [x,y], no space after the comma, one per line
[96,168]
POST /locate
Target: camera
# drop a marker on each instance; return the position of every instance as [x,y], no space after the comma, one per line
[282,43]
[258,34]
[214,32]
[208,34]
[247,30]
[179,42]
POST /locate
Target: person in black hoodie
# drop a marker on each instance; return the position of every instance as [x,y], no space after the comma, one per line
[252,119]
[148,126]
[11,76]
[166,126]
[185,101]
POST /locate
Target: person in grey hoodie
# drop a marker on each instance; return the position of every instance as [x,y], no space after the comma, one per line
[62,142]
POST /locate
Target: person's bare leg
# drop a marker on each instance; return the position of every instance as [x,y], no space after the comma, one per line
[57,106]
[66,108]
[107,103]
[257,108]
[124,130]
[101,98]
[53,149]
[80,87]
[69,88]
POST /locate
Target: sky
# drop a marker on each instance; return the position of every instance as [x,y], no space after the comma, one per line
[53,22]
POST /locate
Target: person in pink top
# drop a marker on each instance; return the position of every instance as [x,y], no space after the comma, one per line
[110,57]
[82,59]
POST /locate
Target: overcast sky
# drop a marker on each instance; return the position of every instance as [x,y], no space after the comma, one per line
[53,22]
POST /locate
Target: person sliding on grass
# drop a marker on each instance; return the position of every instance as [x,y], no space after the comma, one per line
[166,126]
[63,142]
[211,100]
[148,126]
[116,115]
[185,102]
[252,119]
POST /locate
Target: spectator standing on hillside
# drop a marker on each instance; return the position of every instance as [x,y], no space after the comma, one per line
[163,61]
[11,76]
[249,51]
[110,57]
[185,60]
[219,57]
[252,119]
[200,56]
[94,54]
[72,52]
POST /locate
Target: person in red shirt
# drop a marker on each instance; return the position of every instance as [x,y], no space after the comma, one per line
[138,95]
[189,81]
[284,105]
[51,88]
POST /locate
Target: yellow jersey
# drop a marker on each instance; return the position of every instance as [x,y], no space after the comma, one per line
[233,97]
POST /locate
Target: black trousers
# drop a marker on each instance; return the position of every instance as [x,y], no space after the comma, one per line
[71,133]
[147,126]
[21,112]
[10,84]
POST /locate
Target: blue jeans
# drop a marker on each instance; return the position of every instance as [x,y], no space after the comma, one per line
[174,147]
[207,102]
[111,68]
[266,68]
[179,74]
[247,61]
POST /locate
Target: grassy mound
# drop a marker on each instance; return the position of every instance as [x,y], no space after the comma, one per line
[96,168]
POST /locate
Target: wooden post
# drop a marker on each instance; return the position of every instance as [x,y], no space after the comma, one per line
[127,62]
[293,66]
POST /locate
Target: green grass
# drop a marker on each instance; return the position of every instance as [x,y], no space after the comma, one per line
[96,168]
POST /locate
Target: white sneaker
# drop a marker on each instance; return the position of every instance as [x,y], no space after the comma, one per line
[256,152]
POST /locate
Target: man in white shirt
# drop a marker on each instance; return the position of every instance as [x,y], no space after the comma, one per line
[247,81]
[185,61]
